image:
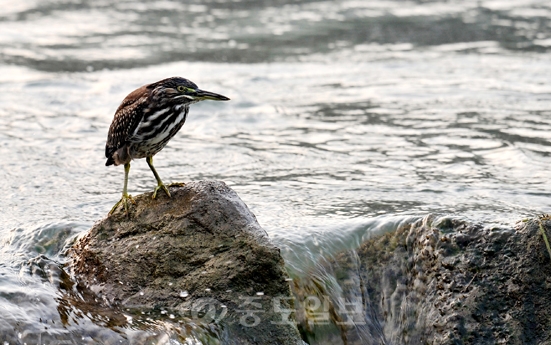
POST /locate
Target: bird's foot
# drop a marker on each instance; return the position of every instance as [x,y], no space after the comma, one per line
[177,184]
[124,200]
[159,187]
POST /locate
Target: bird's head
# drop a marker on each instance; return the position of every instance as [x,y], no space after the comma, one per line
[184,91]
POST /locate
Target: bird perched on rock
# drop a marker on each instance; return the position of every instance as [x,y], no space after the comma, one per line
[146,120]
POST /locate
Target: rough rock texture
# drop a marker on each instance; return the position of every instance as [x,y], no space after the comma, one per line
[459,283]
[200,255]
[446,281]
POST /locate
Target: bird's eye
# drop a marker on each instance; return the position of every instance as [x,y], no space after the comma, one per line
[181,88]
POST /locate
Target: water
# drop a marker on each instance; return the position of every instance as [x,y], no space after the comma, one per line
[346,118]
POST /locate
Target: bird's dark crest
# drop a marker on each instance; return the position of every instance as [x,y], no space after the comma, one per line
[173,83]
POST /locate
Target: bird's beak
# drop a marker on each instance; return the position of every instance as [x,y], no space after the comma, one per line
[202,95]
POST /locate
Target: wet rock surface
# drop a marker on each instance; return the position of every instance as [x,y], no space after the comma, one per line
[200,255]
[445,281]
[459,283]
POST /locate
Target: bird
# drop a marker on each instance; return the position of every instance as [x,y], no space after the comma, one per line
[144,123]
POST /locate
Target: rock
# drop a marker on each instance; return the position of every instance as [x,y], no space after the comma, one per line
[444,282]
[199,256]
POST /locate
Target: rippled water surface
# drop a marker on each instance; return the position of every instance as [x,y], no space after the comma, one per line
[345,117]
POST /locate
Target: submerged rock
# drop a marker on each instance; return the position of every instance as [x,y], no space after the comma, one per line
[452,282]
[200,255]
[440,281]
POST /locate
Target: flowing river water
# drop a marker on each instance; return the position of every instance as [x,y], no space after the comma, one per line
[346,118]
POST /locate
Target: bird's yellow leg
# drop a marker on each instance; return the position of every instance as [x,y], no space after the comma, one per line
[125,197]
[160,184]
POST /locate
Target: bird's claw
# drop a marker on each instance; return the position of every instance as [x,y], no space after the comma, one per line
[159,187]
[124,200]
[177,184]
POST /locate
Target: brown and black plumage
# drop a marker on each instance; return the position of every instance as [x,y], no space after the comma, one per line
[146,120]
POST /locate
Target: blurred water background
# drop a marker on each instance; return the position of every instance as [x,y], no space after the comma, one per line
[346,117]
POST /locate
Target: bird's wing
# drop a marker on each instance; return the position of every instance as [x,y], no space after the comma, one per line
[126,120]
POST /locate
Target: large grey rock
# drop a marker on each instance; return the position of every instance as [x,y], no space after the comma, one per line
[199,256]
[440,281]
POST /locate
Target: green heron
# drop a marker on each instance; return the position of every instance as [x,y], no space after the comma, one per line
[146,120]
